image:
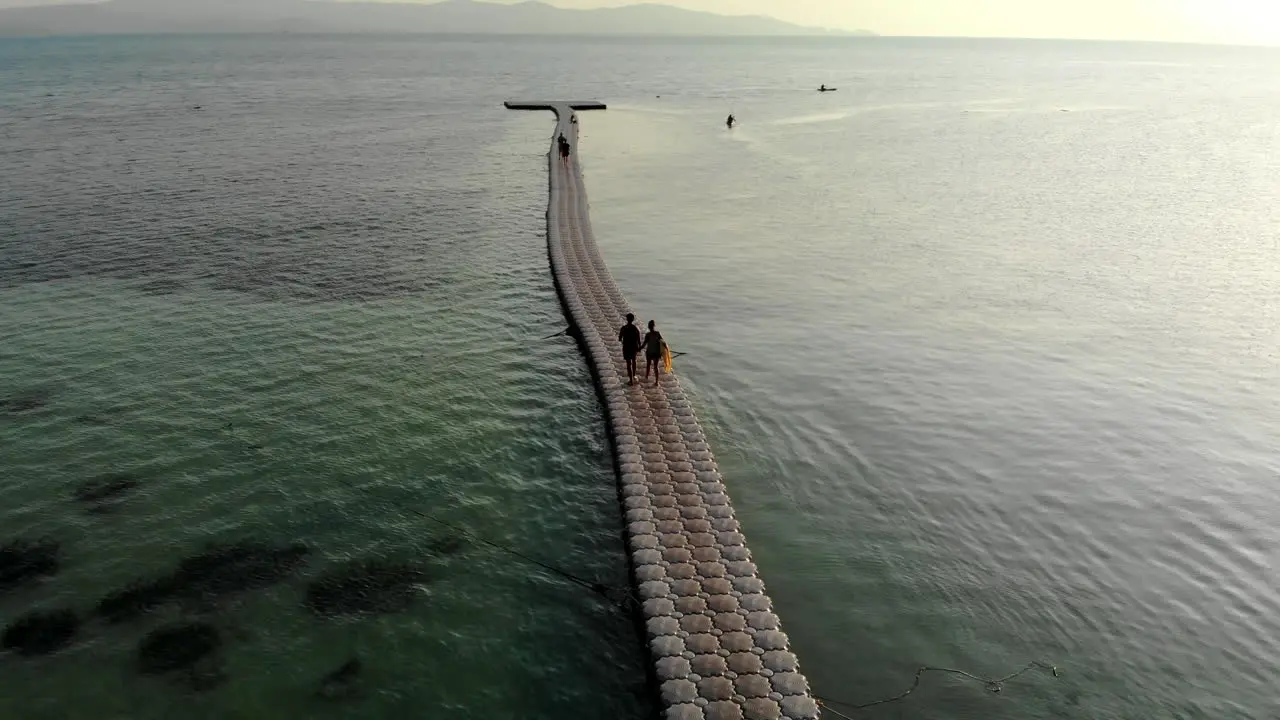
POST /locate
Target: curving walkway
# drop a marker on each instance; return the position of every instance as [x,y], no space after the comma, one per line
[718,650]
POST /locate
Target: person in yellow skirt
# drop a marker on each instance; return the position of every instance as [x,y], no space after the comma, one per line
[656,353]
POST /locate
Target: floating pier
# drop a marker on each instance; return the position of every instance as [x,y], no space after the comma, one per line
[718,649]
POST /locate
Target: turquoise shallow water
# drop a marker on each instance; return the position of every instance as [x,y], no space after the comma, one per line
[990,381]
[360,317]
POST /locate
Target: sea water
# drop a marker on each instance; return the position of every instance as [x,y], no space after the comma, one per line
[985,343]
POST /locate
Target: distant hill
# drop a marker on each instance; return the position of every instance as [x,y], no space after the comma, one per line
[450,16]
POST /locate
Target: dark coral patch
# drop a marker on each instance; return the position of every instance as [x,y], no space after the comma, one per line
[175,648]
[106,488]
[135,600]
[41,633]
[223,570]
[22,561]
[364,587]
[342,683]
[216,573]
[25,401]
[445,545]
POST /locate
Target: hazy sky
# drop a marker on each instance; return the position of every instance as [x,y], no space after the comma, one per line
[1229,21]
[1226,21]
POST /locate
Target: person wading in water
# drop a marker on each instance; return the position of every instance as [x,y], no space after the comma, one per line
[630,337]
[653,346]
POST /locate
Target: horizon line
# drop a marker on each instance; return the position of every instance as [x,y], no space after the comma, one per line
[829,35]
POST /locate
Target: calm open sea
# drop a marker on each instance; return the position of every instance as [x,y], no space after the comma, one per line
[986,342]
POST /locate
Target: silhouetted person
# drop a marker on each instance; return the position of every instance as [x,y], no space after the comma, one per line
[564,148]
[730,121]
[630,337]
[652,347]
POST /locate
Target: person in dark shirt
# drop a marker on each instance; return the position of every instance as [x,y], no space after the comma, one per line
[630,337]
[652,347]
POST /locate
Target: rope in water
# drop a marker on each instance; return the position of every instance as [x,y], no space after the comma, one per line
[995,685]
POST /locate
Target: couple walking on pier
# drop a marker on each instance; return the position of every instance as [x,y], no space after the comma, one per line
[657,354]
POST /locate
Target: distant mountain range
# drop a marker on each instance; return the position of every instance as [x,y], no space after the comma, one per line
[450,16]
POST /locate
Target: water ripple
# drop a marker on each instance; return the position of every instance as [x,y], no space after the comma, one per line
[298,319]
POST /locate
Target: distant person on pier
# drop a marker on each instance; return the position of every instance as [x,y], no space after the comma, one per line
[564,147]
[629,335]
[653,347]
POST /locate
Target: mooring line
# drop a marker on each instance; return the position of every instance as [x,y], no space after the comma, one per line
[828,709]
[995,685]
